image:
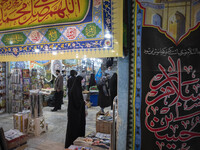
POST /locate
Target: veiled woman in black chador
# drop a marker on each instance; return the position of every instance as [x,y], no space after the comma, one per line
[92,81]
[113,88]
[104,94]
[76,113]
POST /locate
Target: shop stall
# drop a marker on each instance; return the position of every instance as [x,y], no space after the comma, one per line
[70,35]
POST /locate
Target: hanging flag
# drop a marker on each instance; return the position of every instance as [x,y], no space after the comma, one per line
[167,72]
[98,75]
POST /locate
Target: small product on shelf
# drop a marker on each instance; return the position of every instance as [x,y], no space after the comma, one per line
[26,88]
[34,79]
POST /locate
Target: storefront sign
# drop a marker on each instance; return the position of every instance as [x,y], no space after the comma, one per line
[20,14]
[167,77]
[60,29]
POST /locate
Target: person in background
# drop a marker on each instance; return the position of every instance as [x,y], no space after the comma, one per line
[76,112]
[113,88]
[58,91]
[83,74]
[104,94]
[108,72]
[64,73]
[92,81]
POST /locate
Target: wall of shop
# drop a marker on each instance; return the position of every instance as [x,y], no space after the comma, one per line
[123,80]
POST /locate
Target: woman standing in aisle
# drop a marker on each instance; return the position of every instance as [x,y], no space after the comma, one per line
[104,94]
[92,81]
[113,88]
[76,111]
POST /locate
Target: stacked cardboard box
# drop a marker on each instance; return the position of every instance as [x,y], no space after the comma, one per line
[21,121]
[15,138]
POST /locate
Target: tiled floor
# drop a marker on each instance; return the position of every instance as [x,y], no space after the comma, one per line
[57,123]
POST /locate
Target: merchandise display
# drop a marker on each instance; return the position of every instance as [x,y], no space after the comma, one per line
[29,92]
[94,89]
[36,104]
[36,124]
[26,88]
[73,147]
[2,87]
[47,91]
[96,141]
[16,90]
[34,80]
[46,94]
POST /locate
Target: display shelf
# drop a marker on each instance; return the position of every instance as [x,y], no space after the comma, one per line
[2,87]
[26,87]
[15,90]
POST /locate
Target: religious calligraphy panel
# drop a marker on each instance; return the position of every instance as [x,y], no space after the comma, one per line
[20,13]
[167,76]
[89,28]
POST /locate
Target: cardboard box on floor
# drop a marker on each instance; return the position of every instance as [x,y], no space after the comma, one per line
[20,121]
[17,142]
[15,138]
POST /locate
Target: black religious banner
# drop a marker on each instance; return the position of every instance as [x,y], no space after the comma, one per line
[167,75]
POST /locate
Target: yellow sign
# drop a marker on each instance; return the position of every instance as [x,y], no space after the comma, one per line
[100,37]
[27,13]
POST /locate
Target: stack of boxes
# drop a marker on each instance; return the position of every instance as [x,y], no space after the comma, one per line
[20,121]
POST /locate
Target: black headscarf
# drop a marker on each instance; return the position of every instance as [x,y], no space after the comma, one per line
[73,73]
[71,79]
[92,81]
[76,92]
